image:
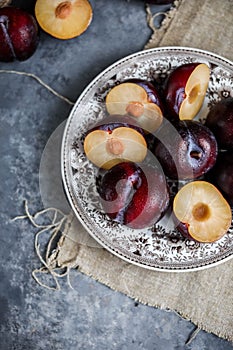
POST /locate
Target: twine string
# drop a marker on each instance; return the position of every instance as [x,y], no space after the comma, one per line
[40,81]
[49,263]
[193,336]
[57,229]
[151,18]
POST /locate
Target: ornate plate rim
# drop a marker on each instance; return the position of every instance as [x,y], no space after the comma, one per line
[66,185]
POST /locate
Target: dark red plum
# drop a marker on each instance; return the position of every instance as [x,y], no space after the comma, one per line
[18,34]
[220,121]
[132,195]
[186,150]
[222,175]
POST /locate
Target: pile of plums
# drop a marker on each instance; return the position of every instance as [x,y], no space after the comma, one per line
[150,136]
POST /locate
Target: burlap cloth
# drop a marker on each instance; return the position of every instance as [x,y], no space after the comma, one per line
[5,3]
[204,297]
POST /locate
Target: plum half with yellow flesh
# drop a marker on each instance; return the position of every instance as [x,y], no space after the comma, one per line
[63,19]
[202,212]
[132,99]
[154,93]
[186,89]
[108,147]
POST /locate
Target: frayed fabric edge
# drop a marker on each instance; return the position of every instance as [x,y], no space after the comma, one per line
[158,33]
[190,337]
[58,227]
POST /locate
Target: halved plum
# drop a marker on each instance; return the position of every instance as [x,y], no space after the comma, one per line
[153,92]
[202,212]
[132,99]
[64,19]
[105,148]
[186,89]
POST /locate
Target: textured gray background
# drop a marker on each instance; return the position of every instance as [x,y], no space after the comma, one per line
[91,316]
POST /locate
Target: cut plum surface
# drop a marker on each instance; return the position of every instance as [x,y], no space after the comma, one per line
[63,19]
[154,94]
[132,99]
[204,214]
[186,89]
[106,148]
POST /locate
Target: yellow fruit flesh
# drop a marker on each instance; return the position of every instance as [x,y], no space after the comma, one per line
[105,150]
[124,95]
[195,91]
[132,99]
[203,208]
[63,19]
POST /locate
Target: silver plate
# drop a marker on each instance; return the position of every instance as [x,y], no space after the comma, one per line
[160,247]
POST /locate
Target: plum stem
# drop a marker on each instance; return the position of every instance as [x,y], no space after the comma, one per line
[4,25]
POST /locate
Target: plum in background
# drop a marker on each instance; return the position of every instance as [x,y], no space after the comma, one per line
[18,34]
[133,195]
[222,175]
[220,121]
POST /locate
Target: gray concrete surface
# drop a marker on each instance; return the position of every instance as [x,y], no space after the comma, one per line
[91,316]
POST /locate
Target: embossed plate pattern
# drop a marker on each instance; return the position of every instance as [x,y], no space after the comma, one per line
[159,247]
